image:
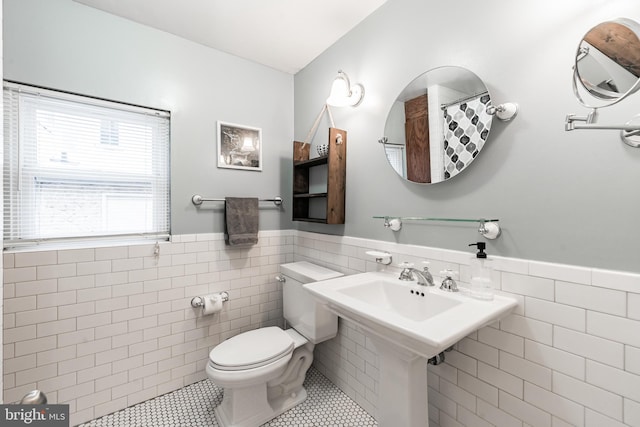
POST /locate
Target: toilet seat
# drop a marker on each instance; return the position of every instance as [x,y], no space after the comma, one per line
[251,349]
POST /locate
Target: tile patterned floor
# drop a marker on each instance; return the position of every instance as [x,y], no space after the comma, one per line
[192,406]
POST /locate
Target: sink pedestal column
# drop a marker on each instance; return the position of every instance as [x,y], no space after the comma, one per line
[402,388]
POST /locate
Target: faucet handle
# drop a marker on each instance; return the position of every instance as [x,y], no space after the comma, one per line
[448,284]
[405,274]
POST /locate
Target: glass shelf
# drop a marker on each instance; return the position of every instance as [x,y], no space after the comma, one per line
[489,228]
[418,218]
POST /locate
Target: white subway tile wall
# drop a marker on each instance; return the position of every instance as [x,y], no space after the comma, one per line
[106,328]
[569,355]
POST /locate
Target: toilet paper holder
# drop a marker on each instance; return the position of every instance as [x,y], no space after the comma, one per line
[199,301]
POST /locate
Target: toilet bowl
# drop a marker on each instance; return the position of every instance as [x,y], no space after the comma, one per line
[253,357]
[262,371]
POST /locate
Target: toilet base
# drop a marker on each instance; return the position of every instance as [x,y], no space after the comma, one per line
[262,414]
[255,396]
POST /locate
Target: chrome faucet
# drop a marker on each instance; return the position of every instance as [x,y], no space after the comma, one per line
[424,278]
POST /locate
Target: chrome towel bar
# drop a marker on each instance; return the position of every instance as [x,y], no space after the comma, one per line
[198,199]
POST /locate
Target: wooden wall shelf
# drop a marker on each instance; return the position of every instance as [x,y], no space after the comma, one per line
[336,162]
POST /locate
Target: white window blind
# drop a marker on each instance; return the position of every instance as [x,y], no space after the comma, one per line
[77,167]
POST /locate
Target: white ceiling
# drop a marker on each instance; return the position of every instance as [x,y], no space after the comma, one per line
[282,34]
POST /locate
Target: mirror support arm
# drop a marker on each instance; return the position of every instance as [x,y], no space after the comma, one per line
[589,119]
[627,130]
[590,123]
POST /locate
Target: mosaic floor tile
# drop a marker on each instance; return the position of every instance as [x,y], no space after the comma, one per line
[192,406]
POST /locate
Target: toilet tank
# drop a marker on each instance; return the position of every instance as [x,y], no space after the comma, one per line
[301,312]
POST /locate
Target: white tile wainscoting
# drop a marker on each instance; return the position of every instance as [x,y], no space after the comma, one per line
[568,356]
[105,328]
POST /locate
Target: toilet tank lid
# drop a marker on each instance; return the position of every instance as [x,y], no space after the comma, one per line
[307,272]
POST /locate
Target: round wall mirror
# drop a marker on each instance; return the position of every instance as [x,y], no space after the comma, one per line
[607,63]
[438,125]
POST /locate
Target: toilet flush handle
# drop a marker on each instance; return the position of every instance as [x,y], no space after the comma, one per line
[280,278]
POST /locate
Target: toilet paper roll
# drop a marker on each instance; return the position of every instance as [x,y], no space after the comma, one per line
[212,304]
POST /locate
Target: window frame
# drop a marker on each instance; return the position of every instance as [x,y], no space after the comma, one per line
[24,178]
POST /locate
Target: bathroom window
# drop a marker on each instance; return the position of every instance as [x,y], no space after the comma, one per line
[78,167]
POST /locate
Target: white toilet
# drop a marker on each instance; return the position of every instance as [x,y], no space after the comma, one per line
[262,370]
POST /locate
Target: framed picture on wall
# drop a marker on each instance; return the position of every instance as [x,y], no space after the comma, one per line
[239,147]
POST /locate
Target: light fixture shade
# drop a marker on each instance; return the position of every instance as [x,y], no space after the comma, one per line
[343,94]
[247,144]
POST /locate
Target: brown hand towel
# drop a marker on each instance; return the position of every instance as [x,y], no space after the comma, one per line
[241,221]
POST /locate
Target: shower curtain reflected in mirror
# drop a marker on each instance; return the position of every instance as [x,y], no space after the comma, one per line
[466,128]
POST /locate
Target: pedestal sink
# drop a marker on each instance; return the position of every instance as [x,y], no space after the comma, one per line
[408,324]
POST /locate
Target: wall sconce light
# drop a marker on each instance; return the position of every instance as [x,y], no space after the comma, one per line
[343,93]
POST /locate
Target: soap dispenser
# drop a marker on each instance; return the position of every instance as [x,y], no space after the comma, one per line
[481,268]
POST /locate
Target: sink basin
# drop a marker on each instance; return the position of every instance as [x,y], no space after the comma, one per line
[408,323]
[425,320]
[406,301]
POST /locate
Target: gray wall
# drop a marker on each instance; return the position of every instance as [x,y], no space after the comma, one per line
[64,45]
[567,197]
[561,196]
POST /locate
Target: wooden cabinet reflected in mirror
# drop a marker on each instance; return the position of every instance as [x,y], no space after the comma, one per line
[416,113]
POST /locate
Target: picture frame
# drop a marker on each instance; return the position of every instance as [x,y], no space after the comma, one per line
[239,147]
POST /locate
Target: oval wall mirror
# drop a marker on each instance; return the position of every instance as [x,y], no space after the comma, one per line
[437,125]
[607,63]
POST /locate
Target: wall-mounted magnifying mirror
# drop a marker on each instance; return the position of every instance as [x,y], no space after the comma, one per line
[607,63]
[606,71]
[439,124]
